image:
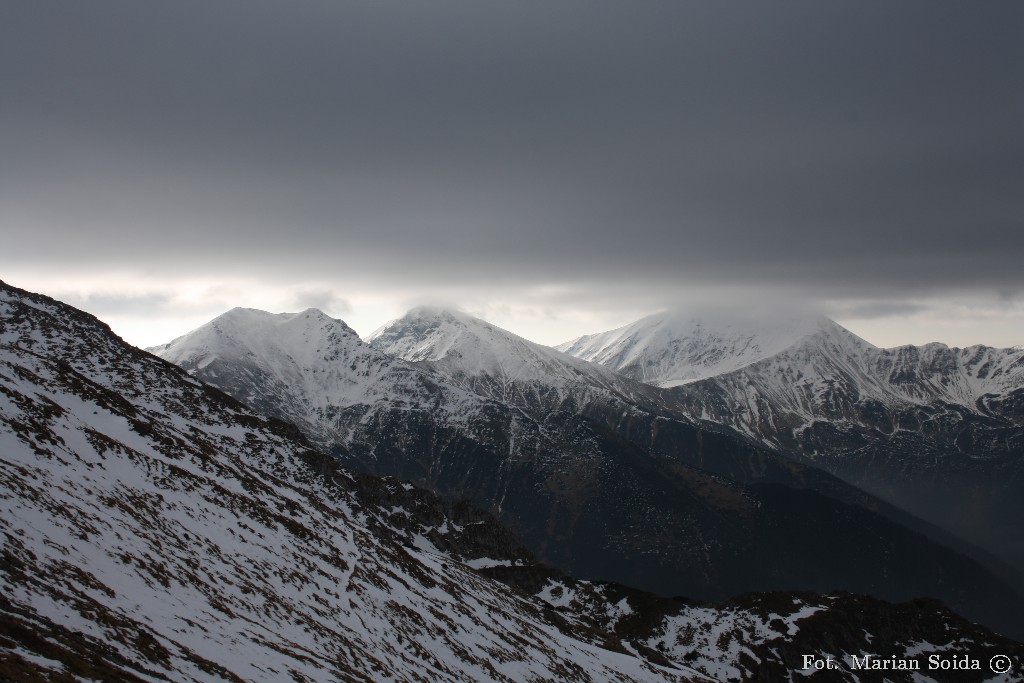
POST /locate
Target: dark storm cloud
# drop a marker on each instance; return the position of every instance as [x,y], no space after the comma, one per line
[884,309]
[850,147]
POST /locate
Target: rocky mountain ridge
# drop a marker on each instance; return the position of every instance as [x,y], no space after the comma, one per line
[592,469]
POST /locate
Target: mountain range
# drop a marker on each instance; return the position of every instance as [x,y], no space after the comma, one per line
[603,476]
[155,529]
[937,431]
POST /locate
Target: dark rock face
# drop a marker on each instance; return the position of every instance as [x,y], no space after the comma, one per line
[613,511]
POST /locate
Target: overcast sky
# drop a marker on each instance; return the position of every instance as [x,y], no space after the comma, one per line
[558,167]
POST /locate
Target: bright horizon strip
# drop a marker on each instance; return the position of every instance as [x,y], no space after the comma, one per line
[152,314]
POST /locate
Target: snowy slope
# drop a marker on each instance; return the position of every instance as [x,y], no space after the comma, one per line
[829,376]
[964,376]
[155,530]
[764,636]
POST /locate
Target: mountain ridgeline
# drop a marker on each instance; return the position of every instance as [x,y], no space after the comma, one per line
[937,431]
[603,476]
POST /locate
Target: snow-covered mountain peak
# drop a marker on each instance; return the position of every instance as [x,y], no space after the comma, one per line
[463,346]
[307,336]
[432,334]
[672,348]
[303,323]
[302,367]
[428,333]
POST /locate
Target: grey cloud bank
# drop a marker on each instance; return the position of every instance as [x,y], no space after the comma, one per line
[870,153]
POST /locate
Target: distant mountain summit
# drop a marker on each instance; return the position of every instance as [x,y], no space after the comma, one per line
[471,346]
[669,349]
[307,335]
[493,362]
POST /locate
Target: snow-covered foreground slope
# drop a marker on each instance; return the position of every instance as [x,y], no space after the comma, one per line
[156,530]
[766,636]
